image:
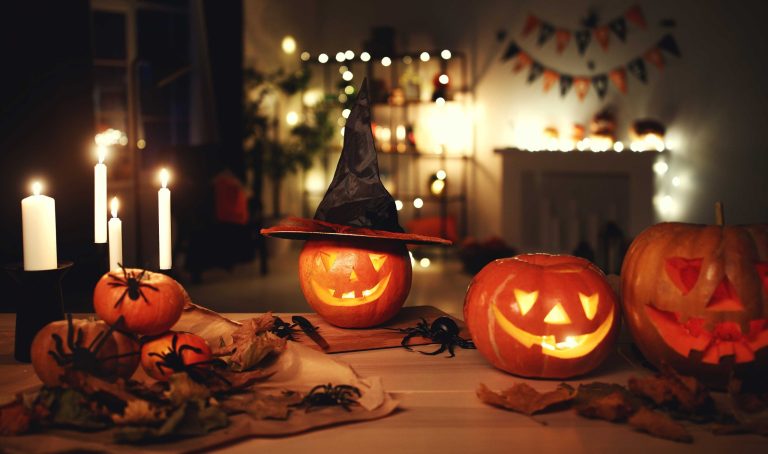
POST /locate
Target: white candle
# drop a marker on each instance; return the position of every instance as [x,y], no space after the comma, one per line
[100,198]
[164,221]
[38,219]
[115,238]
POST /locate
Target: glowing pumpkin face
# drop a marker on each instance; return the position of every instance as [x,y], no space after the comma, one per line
[696,298]
[541,315]
[355,283]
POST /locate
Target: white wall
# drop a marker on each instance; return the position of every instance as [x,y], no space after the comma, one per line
[714,100]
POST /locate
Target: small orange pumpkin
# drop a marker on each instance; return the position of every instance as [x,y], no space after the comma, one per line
[86,345]
[355,283]
[150,303]
[175,352]
[542,315]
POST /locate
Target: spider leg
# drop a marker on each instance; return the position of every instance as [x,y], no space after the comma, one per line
[405,340]
[101,335]
[70,333]
[79,338]
[59,344]
[436,352]
[188,347]
[122,297]
[451,346]
[59,360]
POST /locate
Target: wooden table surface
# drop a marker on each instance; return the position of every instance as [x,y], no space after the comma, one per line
[440,413]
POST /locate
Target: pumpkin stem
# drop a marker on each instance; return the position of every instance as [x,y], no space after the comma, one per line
[719,214]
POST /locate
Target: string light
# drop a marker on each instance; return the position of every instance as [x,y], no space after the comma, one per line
[425,262]
[618,147]
[345,113]
[441,175]
[347,75]
[440,101]
[424,56]
[349,55]
[365,56]
[343,69]
[407,60]
[418,203]
[386,61]
[305,56]
[349,89]
[292,118]
[322,58]
[443,79]
[289,44]
[446,54]
[660,167]
[399,205]
[340,57]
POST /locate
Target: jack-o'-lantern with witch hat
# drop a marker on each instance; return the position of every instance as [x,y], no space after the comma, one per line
[354,269]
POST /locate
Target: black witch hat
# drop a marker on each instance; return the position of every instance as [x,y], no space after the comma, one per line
[356,204]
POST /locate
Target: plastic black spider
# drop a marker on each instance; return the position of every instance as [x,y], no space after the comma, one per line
[443,330]
[133,285]
[85,358]
[284,329]
[173,360]
[328,395]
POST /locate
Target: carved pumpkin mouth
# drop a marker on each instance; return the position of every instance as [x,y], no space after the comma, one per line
[722,340]
[566,347]
[329,295]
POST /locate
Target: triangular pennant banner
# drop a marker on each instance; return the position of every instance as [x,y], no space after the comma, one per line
[619,28]
[523,60]
[562,38]
[600,82]
[602,35]
[535,71]
[637,68]
[635,15]
[511,52]
[565,84]
[655,57]
[581,85]
[550,77]
[530,24]
[582,39]
[669,44]
[545,32]
[619,78]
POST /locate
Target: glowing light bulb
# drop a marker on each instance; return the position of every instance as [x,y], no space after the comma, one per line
[660,167]
[340,57]
[399,205]
[424,56]
[443,79]
[343,69]
[305,56]
[425,262]
[407,60]
[349,89]
[365,56]
[441,175]
[440,101]
[618,147]
[386,61]
[418,203]
[322,58]
[292,118]
[114,205]
[342,132]
[289,44]
[141,144]
[349,55]
[446,54]
[347,75]
[345,113]
[676,181]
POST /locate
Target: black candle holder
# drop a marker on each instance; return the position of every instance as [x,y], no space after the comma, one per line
[40,303]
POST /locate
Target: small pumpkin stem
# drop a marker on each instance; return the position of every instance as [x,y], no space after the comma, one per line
[719,214]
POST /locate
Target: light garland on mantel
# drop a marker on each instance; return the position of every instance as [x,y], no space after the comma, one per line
[649,142]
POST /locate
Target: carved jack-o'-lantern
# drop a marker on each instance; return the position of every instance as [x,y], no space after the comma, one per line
[696,298]
[355,283]
[541,315]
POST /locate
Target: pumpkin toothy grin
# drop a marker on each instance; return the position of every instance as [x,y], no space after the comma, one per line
[724,339]
[329,295]
[568,348]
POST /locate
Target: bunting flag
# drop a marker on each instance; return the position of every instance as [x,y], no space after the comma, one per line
[637,68]
[619,78]
[602,35]
[582,40]
[545,32]
[582,83]
[617,26]
[562,38]
[600,82]
[550,77]
[655,57]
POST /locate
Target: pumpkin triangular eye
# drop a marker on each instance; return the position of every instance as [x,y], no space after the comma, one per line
[377,260]
[328,258]
[725,298]
[683,272]
[557,316]
[589,303]
[762,271]
[525,300]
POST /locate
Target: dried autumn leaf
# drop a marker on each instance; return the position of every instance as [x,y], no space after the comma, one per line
[613,407]
[674,391]
[749,402]
[263,405]
[181,388]
[139,412]
[524,399]
[15,418]
[659,425]
[253,342]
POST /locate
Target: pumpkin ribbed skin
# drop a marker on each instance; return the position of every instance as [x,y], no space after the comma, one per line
[155,315]
[695,298]
[49,371]
[522,310]
[355,283]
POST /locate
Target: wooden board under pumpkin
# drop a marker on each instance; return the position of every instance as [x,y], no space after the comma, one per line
[350,340]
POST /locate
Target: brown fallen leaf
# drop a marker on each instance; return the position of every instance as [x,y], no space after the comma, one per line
[613,407]
[674,391]
[262,405]
[15,418]
[524,399]
[659,425]
[252,342]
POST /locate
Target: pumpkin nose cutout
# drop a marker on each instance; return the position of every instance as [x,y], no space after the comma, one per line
[683,272]
[557,316]
[725,298]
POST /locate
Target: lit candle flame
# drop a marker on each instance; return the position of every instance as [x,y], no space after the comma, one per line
[164,177]
[113,206]
[37,188]
[101,152]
